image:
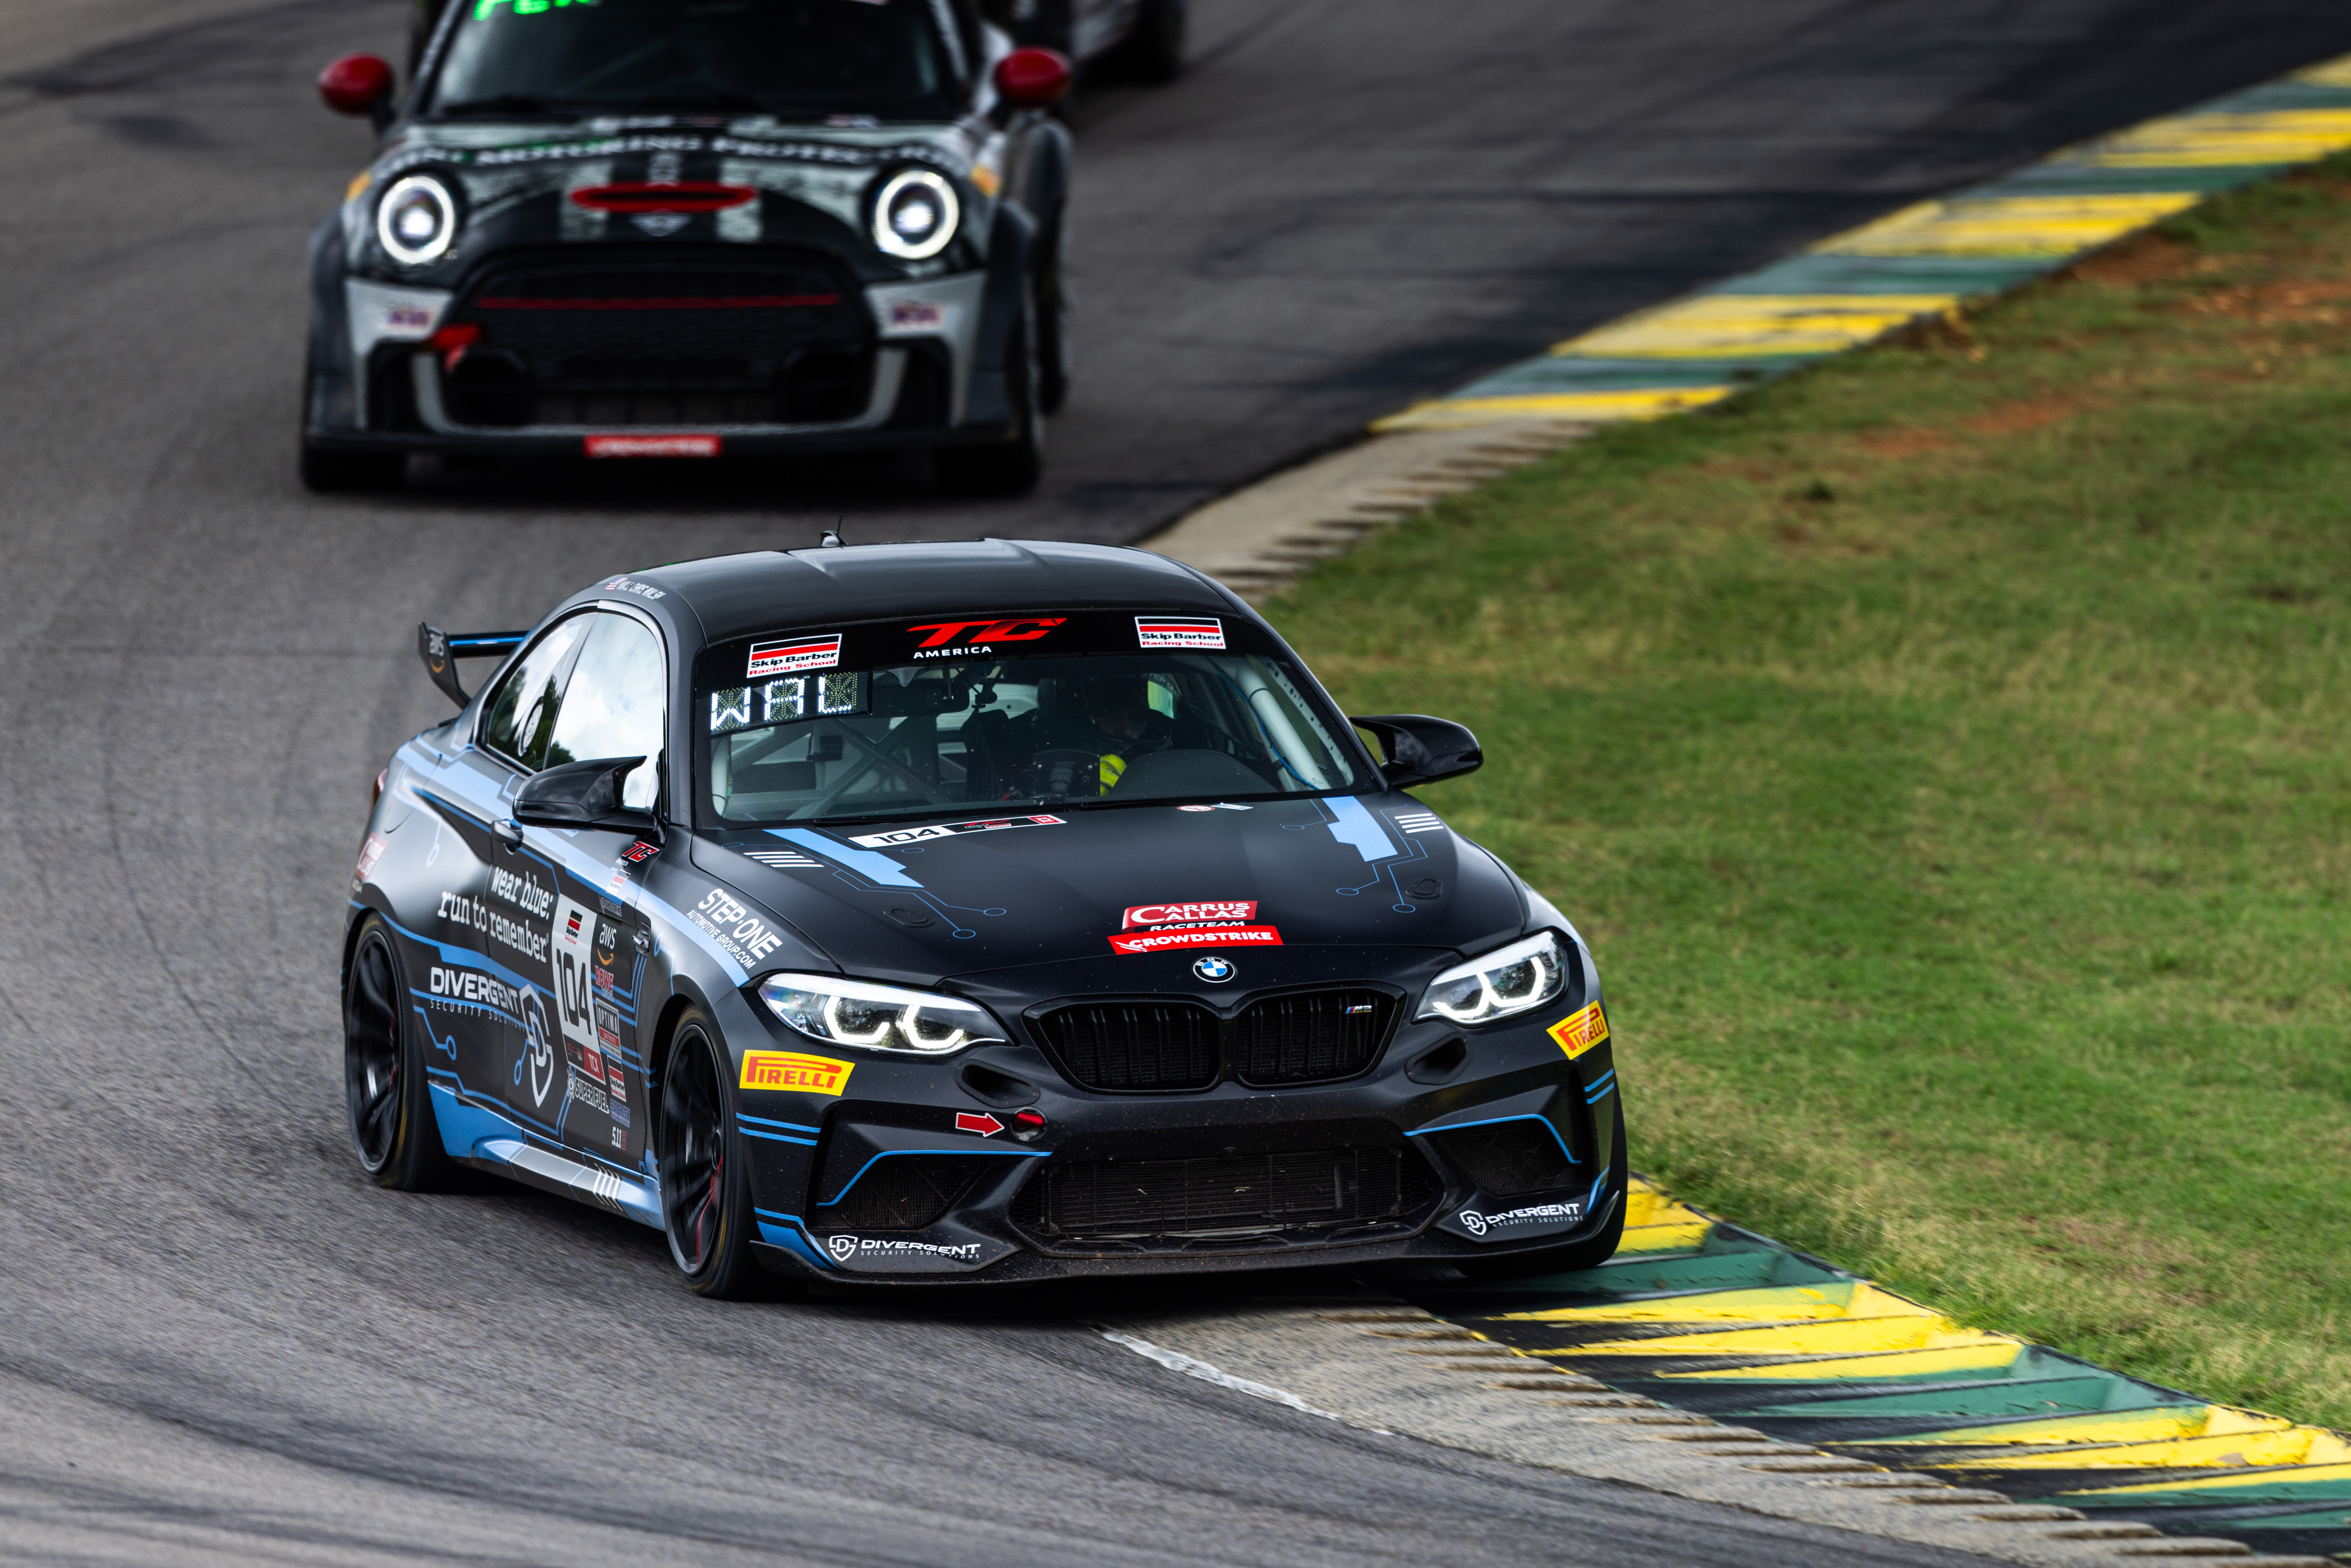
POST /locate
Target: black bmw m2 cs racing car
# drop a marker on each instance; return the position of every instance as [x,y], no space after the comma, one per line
[650,228]
[965,912]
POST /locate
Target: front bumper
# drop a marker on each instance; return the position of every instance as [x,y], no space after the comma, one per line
[392,386]
[1510,1148]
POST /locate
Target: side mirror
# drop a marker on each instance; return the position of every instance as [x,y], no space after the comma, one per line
[584,795]
[1421,749]
[1033,78]
[358,85]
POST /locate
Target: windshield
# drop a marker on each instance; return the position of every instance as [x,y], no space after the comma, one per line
[1117,728]
[798,58]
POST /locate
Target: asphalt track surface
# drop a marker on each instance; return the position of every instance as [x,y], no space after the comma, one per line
[215,1344]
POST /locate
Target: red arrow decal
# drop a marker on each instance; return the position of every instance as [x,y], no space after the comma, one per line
[985,1126]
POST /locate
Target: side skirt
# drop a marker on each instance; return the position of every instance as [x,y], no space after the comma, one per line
[482,1138]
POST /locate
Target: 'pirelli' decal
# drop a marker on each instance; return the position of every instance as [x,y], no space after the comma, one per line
[795,1074]
[1579,1030]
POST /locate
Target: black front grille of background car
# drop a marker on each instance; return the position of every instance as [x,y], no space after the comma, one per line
[1508,1158]
[675,338]
[1307,1189]
[1311,1037]
[904,1192]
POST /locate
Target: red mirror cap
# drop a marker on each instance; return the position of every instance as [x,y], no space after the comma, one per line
[1033,78]
[355,84]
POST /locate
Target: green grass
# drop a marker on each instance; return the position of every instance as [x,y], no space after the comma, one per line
[1948,754]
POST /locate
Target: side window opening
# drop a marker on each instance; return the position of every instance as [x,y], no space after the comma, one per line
[521,718]
[614,703]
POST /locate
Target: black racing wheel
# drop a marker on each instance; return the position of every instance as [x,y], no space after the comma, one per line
[392,1128]
[1056,360]
[1011,466]
[706,1192]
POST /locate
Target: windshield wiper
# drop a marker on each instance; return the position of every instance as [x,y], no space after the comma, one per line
[511,103]
[996,808]
[1108,801]
[727,102]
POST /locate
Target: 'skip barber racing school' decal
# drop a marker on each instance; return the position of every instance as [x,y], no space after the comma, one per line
[790,655]
[1179,631]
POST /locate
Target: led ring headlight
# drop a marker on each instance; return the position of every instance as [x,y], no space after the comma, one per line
[1512,979]
[416,222]
[876,1017]
[915,214]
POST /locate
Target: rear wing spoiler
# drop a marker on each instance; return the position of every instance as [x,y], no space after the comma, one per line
[441,651]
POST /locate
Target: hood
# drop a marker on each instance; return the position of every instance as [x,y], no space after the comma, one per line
[1120,891]
[748,180]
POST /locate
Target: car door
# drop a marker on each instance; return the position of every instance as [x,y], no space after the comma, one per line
[471,982]
[613,704]
[517,906]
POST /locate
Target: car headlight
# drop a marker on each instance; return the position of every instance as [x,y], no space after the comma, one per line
[915,214]
[1526,974]
[417,220]
[878,1018]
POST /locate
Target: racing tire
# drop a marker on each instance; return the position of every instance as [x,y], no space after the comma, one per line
[705,1191]
[1589,1253]
[1010,468]
[393,1131]
[1154,52]
[1055,359]
[329,472]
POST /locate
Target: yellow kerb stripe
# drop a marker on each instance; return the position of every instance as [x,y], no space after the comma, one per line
[2293,1446]
[1838,1336]
[1713,326]
[2332,73]
[2156,1423]
[1769,1304]
[1593,407]
[2211,141]
[2225,1484]
[1946,1362]
[2009,226]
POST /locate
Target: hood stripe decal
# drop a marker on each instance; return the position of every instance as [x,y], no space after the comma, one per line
[871,865]
[1358,829]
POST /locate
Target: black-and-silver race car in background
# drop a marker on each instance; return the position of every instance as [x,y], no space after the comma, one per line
[991,911]
[648,228]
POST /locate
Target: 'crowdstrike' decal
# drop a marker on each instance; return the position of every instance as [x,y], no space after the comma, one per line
[1163,941]
[1179,631]
[1478,1224]
[782,658]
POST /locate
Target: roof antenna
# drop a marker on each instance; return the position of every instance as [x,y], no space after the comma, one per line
[831,539]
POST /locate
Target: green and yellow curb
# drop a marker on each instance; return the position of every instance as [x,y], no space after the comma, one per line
[1926,260]
[1701,1315]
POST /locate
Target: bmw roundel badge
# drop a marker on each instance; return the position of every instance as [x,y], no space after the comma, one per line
[1215,970]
